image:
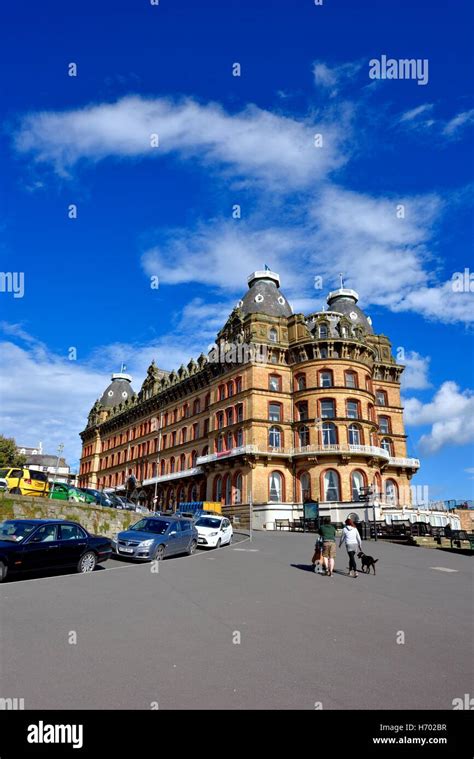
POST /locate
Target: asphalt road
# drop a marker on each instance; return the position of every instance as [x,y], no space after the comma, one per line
[248,626]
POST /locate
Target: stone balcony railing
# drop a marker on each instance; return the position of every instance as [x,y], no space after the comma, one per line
[320,450]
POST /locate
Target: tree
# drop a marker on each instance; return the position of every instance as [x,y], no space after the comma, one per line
[9,455]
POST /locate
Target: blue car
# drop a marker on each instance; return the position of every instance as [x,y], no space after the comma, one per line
[156,537]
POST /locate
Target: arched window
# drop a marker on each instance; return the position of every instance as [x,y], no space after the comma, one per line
[184,434]
[305,485]
[228,489]
[193,458]
[352,409]
[172,464]
[276,484]
[273,335]
[377,485]
[205,451]
[181,494]
[323,331]
[220,443]
[274,382]
[391,492]
[329,434]
[300,380]
[207,400]
[325,378]
[357,483]
[220,420]
[380,397]
[218,488]
[350,379]
[303,435]
[237,488]
[221,392]
[229,416]
[239,438]
[384,425]
[197,406]
[238,385]
[386,444]
[302,408]
[274,412]
[162,467]
[229,441]
[186,410]
[331,485]
[182,462]
[328,408]
[193,492]
[355,436]
[274,437]
[230,389]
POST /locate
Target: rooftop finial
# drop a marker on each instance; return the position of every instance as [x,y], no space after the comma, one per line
[341,277]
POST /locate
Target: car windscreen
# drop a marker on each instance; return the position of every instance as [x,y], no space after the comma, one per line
[4,472]
[157,526]
[14,529]
[208,522]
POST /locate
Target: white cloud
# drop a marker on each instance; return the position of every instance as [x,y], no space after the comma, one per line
[450,414]
[415,376]
[416,120]
[333,78]
[457,123]
[415,112]
[387,259]
[254,143]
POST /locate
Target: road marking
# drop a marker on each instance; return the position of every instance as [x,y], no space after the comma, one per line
[444,569]
[250,550]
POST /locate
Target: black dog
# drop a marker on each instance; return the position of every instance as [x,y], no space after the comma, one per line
[367,562]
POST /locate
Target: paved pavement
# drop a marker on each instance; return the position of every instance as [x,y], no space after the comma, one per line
[305,639]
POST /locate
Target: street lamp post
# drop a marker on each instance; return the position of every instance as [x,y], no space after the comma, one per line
[60,450]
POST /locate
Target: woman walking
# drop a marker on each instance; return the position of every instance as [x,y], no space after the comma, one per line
[350,536]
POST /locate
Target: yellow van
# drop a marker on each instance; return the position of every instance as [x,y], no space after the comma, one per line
[25,481]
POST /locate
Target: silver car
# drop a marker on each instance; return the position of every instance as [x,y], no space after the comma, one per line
[156,537]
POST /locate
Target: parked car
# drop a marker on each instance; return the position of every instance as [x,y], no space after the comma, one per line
[37,544]
[156,537]
[120,502]
[3,485]
[214,531]
[101,498]
[23,481]
[60,491]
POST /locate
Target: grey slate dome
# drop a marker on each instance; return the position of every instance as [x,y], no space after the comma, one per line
[119,390]
[344,301]
[264,296]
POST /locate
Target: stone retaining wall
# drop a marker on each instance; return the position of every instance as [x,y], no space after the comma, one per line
[96,519]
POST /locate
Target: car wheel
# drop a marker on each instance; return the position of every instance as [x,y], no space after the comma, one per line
[218,544]
[3,571]
[87,562]
[159,553]
[15,491]
[192,548]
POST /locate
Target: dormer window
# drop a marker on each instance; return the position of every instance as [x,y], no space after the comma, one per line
[323,331]
[273,335]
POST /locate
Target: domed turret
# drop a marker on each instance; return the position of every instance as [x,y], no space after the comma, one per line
[344,301]
[264,296]
[119,390]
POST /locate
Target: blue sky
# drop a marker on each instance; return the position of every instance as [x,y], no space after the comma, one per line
[166,211]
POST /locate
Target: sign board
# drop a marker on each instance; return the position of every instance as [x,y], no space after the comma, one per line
[311,510]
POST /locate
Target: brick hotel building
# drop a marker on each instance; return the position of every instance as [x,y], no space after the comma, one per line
[314,412]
